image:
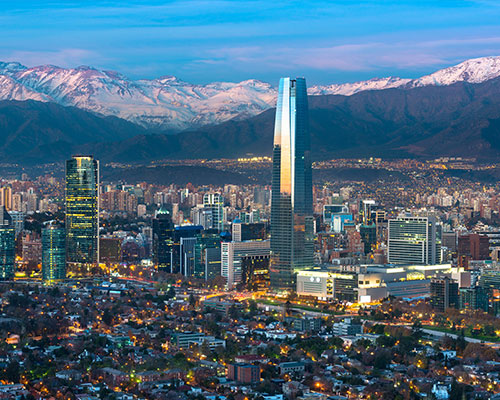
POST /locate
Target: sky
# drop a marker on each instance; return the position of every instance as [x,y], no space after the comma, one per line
[202,41]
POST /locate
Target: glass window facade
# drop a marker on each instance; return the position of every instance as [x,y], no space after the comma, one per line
[82,210]
[163,239]
[53,254]
[292,239]
[7,245]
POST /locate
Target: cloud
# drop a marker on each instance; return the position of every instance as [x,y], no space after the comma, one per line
[64,57]
[367,56]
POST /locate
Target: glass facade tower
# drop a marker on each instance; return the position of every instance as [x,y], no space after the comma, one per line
[163,239]
[292,238]
[414,240]
[7,245]
[82,210]
[215,203]
[53,254]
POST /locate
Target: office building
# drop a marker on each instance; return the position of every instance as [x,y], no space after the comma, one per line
[207,256]
[215,203]
[202,216]
[183,248]
[368,235]
[255,272]
[7,245]
[366,208]
[243,373]
[248,231]
[163,239]
[53,254]
[82,210]
[444,294]
[490,279]
[414,240]
[472,247]
[292,223]
[474,298]
[17,221]
[234,254]
[327,284]
[347,327]
[6,198]
[187,249]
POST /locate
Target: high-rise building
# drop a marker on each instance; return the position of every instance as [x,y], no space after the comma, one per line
[414,240]
[368,235]
[7,245]
[247,231]
[6,197]
[234,254]
[82,210]
[163,239]
[183,249]
[292,232]
[53,254]
[17,221]
[472,247]
[474,298]
[444,294]
[187,249]
[215,203]
[207,255]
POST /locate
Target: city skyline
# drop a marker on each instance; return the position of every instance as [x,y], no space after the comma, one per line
[188,237]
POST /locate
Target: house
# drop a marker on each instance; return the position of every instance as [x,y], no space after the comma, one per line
[292,368]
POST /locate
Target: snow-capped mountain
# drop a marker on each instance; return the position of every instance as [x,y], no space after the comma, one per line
[348,89]
[165,103]
[169,103]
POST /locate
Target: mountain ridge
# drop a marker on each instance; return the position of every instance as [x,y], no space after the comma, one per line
[169,104]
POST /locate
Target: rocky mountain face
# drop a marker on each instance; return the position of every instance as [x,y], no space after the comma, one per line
[462,119]
[171,105]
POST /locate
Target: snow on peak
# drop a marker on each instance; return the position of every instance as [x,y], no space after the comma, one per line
[170,103]
[348,89]
[475,70]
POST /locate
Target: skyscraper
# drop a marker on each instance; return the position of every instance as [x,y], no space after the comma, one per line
[291,202]
[6,197]
[163,239]
[215,203]
[53,254]
[82,210]
[414,240]
[7,245]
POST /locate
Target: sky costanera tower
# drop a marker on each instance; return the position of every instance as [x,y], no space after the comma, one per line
[292,236]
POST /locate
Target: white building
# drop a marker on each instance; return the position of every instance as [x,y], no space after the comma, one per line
[232,254]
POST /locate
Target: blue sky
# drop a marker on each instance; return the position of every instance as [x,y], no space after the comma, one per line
[202,41]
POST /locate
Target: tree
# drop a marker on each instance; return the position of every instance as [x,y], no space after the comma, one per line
[12,372]
[107,317]
[192,300]
[171,293]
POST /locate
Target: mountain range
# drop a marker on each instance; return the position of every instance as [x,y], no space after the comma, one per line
[48,113]
[170,104]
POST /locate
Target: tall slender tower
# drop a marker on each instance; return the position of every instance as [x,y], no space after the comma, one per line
[7,245]
[53,254]
[292,238]
[163,239]
[82,210]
